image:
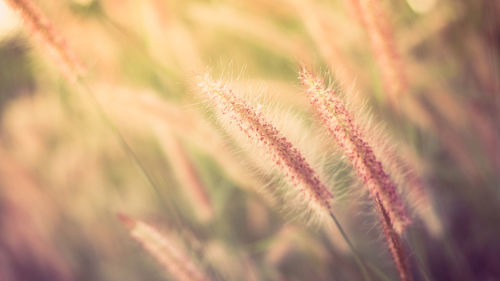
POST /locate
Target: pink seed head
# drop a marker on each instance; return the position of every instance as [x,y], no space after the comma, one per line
[266,136]
[342,127]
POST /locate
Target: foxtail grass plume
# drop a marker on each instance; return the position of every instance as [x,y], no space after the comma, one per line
[376,24]
[271,141]
[347,134]
[382,190]
[44,31]
[165,250]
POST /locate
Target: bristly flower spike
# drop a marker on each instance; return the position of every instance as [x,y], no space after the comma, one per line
[381,36]
[347,134]
[165,250]
[44,31]
[261,131]
[341,126]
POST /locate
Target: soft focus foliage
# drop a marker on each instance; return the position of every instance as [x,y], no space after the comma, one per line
[131,132]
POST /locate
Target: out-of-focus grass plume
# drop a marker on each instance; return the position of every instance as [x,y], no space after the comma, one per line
[102,113]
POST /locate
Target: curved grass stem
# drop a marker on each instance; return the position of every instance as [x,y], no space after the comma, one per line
[357,257]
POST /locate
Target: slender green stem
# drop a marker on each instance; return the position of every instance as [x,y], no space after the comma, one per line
[357,257]
[128,149]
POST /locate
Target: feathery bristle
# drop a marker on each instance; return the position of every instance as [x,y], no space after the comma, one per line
[45,32]
[415,189]
[402,166]
[347,134]
[281,151]
[419,196]
[170,255]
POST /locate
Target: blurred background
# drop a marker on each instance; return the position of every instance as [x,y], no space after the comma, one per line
[139,139]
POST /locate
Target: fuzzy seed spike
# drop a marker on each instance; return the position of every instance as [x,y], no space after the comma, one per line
[165,250]
[377,25]
[43,30]
[281,151]
[342,127]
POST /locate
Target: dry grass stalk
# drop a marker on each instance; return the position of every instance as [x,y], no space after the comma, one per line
[281,151]
[168,253]
[348,135]
[44,31]
[380,33]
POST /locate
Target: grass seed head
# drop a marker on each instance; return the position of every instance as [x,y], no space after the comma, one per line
[165,250]
[44,31]
[260,131]
[347,134]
